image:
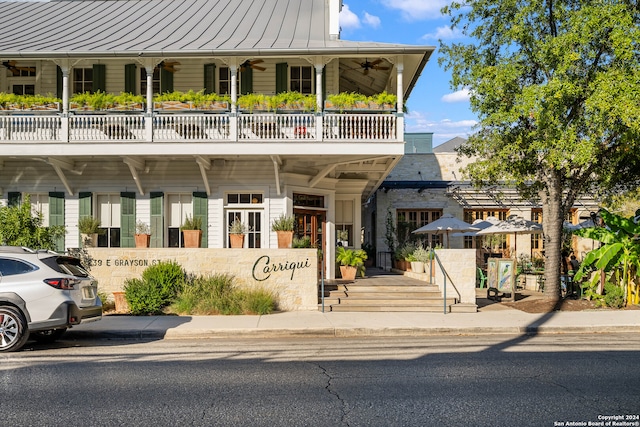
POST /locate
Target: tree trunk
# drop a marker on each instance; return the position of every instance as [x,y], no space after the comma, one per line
[552,221]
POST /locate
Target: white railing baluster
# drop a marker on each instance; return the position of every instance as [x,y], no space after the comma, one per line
[202,127]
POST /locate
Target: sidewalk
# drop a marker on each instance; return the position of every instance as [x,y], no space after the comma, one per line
[491,318]
[337,324]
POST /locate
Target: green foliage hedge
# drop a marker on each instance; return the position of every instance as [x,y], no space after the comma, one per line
[158,287]
[166,288]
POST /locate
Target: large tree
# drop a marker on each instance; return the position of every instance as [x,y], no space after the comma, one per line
[556,87]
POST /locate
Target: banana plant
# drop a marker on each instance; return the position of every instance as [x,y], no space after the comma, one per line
[619,251]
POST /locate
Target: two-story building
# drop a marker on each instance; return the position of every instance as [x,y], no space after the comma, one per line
[159,166]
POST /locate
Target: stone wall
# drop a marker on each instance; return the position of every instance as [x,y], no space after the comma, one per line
[460,266]
[291,274]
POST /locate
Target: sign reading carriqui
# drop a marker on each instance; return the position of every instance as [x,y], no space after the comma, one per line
[263,268]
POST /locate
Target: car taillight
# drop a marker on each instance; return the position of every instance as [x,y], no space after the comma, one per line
[61,283]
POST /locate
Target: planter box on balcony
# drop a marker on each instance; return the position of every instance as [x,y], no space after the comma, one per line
[177,106]
[53,107]
[135,107]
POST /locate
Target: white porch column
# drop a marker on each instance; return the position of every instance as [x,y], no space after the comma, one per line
[148,124]
[64,123]
[233,119]
[400,96]
[319,105]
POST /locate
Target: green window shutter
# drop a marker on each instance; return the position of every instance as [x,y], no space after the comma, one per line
[166,81]
[59,82]
[281,77]
[99,78]
[200,210]
[246,81]
[157,222]
[209,78]
[130,78]
[127,219]
[56,216]
[15,198]
[84,209]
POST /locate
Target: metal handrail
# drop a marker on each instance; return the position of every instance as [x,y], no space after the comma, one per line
[445,275]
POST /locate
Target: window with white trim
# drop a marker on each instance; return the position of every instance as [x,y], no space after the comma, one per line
[344,222]
[179,206]
[108,208]
[155,80]
[301,79]
[82,80]
[40,205]
[224,81]
[248,208]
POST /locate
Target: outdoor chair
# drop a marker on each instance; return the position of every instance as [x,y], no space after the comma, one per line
[480,277]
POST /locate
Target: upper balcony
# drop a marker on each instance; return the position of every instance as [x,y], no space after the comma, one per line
[175,128]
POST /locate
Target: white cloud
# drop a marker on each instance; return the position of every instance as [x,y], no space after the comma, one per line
[371,20]
[348,19]
[462,95]
[442,130]
[417,9]
[444,33]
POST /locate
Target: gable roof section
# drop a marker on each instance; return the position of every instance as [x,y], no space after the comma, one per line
[174,28]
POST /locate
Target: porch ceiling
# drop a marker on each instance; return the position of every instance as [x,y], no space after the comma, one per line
[364,173]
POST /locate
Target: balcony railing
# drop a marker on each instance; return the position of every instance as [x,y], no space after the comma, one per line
[199,127]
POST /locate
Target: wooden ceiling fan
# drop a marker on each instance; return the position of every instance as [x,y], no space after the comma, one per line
[252,64]
[366,65]
[169,66]
[11,65]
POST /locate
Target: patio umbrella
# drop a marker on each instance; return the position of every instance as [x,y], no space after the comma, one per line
[445,224]
[480,224]
[513,225]
[584,224]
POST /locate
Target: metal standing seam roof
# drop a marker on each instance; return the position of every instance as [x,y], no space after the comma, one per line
[176,28]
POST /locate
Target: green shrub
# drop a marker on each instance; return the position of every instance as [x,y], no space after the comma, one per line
[159,286]
[613,295]
[218,295]
[143,298]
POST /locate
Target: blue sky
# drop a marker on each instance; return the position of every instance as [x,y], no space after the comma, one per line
[433,105]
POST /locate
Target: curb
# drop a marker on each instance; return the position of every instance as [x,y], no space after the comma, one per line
[337,332]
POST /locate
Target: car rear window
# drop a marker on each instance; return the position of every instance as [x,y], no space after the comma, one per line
[66,265]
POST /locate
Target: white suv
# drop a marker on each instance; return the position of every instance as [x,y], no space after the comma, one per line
[43,293]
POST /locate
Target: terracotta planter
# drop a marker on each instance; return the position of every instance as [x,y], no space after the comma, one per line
[192,238]
[285,238]
[142,240]
[348,272]
[237,240]
[121,302]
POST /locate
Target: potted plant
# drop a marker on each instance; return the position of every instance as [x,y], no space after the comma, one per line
[192,231]
[283,226]
[89,228]
[10,101]
[301,242]
[351,262]
[143,234]
[421,258]
[191,100]
[253,101]
[237,229]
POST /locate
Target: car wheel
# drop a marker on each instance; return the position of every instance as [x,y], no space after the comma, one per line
[13,328]
[48,336]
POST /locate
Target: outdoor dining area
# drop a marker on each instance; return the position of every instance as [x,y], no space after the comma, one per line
[500,271]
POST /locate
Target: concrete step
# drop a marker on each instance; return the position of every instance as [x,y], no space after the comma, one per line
[395,302]
[389,294]
[383,308]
